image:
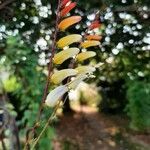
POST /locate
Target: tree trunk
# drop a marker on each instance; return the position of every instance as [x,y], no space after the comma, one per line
[66,107]
[9,123]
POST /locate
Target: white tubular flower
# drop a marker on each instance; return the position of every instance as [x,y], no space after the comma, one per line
[73,84]
[54,96]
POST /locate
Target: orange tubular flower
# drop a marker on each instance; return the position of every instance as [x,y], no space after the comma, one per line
[89,43]
[64,2]
[68,22]
[67,9]
[94,37]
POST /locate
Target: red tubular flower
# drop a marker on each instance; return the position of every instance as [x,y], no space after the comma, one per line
[64,2]
[67,9]
[94,24]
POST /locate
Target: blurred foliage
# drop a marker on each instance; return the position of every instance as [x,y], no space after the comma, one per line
[138,107]
[24,82]
[11,84]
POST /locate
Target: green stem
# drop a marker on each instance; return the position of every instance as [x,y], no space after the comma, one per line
[46,125]
[48,122]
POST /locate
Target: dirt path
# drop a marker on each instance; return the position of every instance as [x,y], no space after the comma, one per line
[89,130]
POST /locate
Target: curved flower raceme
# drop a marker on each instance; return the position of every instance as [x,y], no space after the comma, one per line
[85,55]
[90,43]
[55,95]
[85,69]
[69,39]
[80,73]
[64,24]
[60,57]
[59,76]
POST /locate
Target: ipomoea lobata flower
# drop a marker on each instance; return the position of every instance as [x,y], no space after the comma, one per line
[94,24]
[85,69]
[94,37]
[60,57]
[55,95]
[59,76]
[90,43]
[64,2]
[69,39]
[85,55]
[64,24]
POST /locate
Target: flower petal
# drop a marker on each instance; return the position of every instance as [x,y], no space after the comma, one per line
[73,84]
[59,76]
[94,37]
[68,22]
[60,57]
[69,39]
[90,43]
[67,9]
[85,69]
[85,55]
[54,96]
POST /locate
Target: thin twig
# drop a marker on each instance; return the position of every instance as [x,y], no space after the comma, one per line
[50,66]
[47,124]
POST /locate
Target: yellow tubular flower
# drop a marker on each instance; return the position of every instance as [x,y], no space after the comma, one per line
[85,55]
[64,24]
[69,39]
[59,76]
[60,57]
[73,84]
[85,69]
[55,95]
[90,43]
